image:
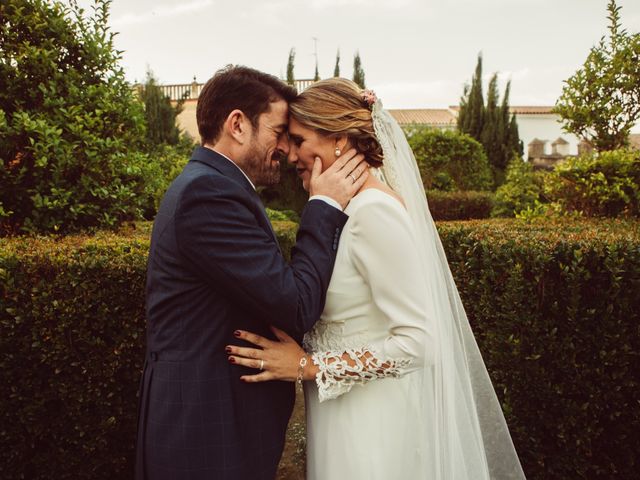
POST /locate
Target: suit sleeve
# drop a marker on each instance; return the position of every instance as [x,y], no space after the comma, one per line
[218,234]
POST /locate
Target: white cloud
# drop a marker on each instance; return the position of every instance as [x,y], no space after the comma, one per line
[160,12]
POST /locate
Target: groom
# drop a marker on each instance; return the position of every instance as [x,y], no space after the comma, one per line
[215,267]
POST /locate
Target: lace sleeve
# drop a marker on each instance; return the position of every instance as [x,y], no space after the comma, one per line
[340,371]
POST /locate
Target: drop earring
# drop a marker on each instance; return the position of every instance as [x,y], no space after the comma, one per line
[337,151]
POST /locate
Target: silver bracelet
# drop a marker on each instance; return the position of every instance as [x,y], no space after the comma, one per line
[301,365]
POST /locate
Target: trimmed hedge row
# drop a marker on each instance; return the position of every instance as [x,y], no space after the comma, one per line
[555,309]
[71,350]
[460,205]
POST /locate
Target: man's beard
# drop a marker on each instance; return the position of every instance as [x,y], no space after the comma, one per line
[258,170]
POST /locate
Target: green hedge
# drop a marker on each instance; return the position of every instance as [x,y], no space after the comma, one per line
[459,205]
[449,160]
[71,342]
[554,307]
[556,310]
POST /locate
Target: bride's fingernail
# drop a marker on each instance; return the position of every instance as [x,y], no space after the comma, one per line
[232,360]
[237,333]
[227,349]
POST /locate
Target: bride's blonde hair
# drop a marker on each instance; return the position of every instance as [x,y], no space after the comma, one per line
[335,106]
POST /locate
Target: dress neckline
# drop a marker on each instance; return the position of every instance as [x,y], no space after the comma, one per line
[385,194]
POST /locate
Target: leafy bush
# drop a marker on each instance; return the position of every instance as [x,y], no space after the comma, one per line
[604,184]
[67,120]
[449,160]
[459,205]
[288,194]
[164,164]
[522,189]
[283,215]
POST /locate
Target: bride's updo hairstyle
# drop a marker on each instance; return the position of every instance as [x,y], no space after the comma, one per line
[336,106]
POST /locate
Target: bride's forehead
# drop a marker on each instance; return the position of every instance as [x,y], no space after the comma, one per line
[296,127]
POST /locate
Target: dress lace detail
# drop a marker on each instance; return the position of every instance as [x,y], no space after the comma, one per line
[340,370]
[387,173]
[330,336]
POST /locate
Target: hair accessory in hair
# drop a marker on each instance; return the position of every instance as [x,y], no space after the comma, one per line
[369,96]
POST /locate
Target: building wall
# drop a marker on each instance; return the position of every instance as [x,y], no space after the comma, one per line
[187,119]
[544,127]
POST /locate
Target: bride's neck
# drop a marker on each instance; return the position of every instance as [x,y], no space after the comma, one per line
[371,182]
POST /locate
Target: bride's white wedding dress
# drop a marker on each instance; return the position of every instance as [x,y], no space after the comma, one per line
[402,392]
[375,310]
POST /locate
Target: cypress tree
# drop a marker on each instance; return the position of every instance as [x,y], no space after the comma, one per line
[336,70]
[514,137]
[472,102]
[490,124]
[358,72]
[510,134]
[316,77]
[159,113]
[290,77]
[490,135]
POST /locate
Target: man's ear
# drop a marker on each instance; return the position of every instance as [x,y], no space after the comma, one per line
[238,126]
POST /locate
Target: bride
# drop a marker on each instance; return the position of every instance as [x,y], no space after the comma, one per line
[395,386]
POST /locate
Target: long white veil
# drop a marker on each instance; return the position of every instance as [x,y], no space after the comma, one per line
[465,433]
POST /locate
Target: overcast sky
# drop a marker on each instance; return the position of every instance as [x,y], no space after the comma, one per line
[415,53]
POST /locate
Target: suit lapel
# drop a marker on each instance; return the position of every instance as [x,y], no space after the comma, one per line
[230,170]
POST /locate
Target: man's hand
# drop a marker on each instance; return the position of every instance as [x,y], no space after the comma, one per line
[341,180]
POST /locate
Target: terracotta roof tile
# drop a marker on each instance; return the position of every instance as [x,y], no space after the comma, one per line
[520,110]
[424,116]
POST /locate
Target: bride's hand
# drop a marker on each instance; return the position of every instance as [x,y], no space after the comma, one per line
[278,360]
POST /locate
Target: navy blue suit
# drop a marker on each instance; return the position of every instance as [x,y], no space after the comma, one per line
[214,267]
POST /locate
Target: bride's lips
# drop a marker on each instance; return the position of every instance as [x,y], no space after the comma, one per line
[301,171]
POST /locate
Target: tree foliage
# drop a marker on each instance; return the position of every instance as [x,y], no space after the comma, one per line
[471,116]
[291,79]
[336,69]
[68,121]
[159,113]
[601,101]
[522,190]
[358,71]
[603,184]
[491,123]
[449,160]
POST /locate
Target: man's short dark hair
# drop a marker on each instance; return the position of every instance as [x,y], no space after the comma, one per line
[237,87]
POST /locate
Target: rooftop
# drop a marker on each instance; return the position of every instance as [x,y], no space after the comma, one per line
[424,116]
[521,109]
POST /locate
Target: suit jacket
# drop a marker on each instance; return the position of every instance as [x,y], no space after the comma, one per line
[214,267]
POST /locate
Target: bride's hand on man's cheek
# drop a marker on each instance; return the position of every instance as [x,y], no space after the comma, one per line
[274,360]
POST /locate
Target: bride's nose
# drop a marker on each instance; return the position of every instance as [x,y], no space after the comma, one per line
[293,154]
